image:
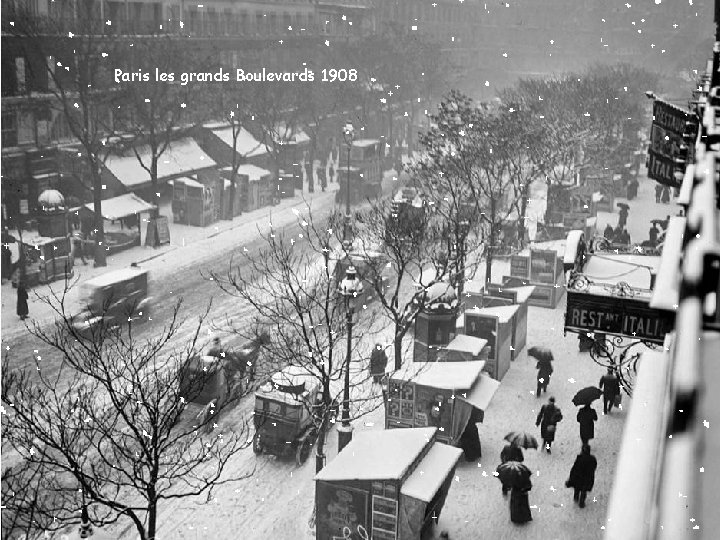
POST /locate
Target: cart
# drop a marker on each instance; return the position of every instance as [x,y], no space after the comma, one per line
[114,298]
[284,418]
[443,395]
[385,485]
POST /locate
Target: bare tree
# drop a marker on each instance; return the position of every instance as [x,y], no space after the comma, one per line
[291,286]
[113,429]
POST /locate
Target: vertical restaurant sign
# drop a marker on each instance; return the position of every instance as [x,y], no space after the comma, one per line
[666,139]
[625,317]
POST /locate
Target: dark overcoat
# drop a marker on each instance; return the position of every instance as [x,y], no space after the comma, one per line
[586,417]
[582,474]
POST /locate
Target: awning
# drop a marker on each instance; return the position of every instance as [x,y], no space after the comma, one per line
[183,156]
[246,145]
[253,172]
[666,290]
[122,206]
[481,394]
[431,472]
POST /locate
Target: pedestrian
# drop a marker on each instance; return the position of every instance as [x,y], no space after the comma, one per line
[610,385]
[665,199]
[658,192]
[78,249]
[519,502]
[6,262]
[587,417]
[625,237]
[378,363]
[582,475]
[331,173]
[623,215]
[547,419]
[22,298]
[470,441]
[545,369]
[617,234]
[632,189]
[609,233]
[653,234]
[665,223]
[510,452]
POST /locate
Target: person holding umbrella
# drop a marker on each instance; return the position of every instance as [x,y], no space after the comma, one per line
[582,475]
[510,452]
[22,301]
[587,417]
[610,386]
[547,419]
[544,358]
[517,476]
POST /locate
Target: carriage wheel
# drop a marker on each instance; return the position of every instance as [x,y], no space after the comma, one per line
[257,447]
[303,449]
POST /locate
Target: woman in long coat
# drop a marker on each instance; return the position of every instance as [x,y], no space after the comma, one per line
[519,502]
[470,442]
[510,452]
[545,369]
[582,475]
[547,419]
[587,417]
[22,298]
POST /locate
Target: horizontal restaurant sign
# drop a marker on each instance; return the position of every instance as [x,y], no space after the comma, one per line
[621,316]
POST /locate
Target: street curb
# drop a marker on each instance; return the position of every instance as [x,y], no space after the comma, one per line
[146,259]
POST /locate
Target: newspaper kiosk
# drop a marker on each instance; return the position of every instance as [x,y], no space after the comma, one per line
[520,296]
[496,325]
[542,269]
[442,395]
[385,485]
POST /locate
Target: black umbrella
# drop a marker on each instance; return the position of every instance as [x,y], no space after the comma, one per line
[623,205]
[541,353]
[521,439]
[587,395]
[511,472]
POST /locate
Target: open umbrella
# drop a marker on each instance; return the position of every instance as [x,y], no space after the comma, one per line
[511,472]
[541,353]
[587,395]
[522,439]
[622,205]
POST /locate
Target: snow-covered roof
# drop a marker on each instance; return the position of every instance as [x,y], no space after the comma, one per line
[441,375]
[504,313]
[378,455]
[122,206]
[470,344]
[115,276]
[187,181]
[253,172]
[181,157]
[246,145]
[666,292]
[431,472]
[290,376]
[523,293]
[287,135]
[362,143]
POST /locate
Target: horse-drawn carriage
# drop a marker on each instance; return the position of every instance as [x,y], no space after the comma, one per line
[285,414]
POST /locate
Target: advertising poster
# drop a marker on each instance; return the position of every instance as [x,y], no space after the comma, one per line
[433,408]
[339,507]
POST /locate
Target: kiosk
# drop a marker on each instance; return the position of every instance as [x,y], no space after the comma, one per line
[496,325]
[384,485]
[520,296]
[46,260]
[464,349]
[442,395]
[542,269]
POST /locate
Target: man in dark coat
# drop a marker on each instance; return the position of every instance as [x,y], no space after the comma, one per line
[665,199]
[610,385]
[624,237]
[547,419]
[510,452]
[632,189]
[22,298]
[378,363]
[609,233]
[6,262]
[519,503]
[545,369]
[587,417]
[617,234]
[582,475]
[622,217]
[322,176]
[653,235]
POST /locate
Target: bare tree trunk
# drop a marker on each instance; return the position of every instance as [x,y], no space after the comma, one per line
[521,227]
[397,346]
[100,255]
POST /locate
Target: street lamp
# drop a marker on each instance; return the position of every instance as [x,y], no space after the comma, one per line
[349,288]
[348,135]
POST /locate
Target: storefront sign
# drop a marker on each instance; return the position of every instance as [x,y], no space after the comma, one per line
[666,139]
[662,169]
[626,317]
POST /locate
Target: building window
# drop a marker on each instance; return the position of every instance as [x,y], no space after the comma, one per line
[20,75]
[9,129]
[26,128]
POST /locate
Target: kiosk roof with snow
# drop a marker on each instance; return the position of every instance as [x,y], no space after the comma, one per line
[448,376]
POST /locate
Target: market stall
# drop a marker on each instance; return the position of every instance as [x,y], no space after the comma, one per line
[46,260]
[542,269]
[496,325]
[443,395]
[520,297]
[384,485]
[464,349]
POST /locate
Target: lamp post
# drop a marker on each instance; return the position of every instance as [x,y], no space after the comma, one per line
[350,287]
[348,135]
